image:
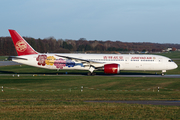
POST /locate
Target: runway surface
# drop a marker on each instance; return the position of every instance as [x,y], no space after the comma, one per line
[146,102]
[144,76]
[8,63]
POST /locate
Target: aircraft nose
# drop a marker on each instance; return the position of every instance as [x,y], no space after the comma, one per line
[175,65]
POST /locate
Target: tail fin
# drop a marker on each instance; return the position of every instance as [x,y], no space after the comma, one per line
[22,47]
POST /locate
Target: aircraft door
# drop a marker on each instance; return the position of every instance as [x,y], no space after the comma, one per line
[127,64]
[126,60]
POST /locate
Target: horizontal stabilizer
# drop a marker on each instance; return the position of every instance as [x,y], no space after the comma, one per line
[15,57]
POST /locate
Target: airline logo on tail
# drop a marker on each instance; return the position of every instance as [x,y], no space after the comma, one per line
[21,46]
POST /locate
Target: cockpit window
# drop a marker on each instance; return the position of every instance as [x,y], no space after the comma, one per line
[170,61]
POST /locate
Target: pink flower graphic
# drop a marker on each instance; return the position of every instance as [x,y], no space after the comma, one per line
[60,63]
[41,59]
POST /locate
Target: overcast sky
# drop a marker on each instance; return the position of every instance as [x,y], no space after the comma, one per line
[117,20]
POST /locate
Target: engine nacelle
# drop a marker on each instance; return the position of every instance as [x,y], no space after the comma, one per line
[111,68]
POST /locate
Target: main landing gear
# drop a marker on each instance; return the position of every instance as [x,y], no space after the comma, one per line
[91,69]
[91,74]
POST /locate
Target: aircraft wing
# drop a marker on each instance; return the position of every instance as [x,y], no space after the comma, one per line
[80,60]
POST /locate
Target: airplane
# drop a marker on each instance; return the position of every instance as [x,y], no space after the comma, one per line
[109,63]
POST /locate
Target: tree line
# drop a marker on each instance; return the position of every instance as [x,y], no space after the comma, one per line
[52,45]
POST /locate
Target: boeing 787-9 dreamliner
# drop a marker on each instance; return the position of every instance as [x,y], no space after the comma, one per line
[109,63]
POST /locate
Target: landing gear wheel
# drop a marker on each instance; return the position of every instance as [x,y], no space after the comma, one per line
[88,73]
[93,74]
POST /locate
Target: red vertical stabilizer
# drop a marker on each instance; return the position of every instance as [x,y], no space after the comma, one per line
[22,47]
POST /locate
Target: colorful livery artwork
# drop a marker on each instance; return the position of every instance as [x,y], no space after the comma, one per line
[109,63]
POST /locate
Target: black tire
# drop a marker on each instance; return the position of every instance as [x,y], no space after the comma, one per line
[89,74]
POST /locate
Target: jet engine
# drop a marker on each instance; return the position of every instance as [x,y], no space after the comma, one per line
[111,68]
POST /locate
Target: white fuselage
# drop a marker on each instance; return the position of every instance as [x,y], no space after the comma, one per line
[126,61]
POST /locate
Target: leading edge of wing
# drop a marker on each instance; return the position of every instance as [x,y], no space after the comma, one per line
[79,59]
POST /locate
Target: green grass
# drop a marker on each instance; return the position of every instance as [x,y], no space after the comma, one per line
[49,97]
[95,88]
[171,54]
[81,110]
[3,58]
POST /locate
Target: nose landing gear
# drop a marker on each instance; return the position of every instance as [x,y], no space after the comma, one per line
[163,71]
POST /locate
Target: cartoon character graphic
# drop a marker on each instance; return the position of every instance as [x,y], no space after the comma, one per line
[60,63]
[50,60]
[70,63]
[41,59]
